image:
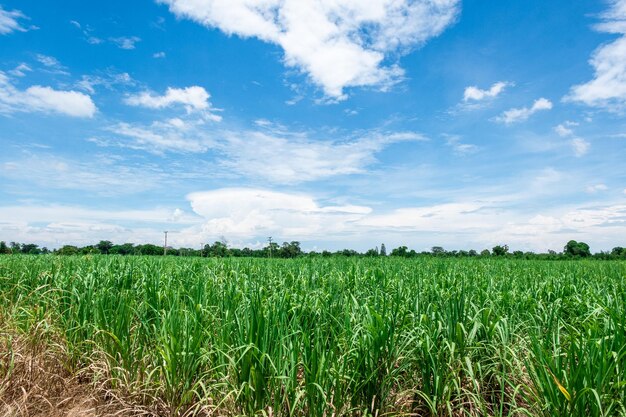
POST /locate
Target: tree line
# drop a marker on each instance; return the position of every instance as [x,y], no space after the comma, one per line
[572,249]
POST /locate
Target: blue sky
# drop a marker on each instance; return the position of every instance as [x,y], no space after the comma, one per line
[462,124]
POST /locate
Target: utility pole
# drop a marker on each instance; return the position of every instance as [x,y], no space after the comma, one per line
[165,244]
[269,239]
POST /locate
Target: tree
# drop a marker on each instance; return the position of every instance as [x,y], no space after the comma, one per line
[104,246]
[372,252]
[125,249]
[616,252]
[4,248]
[401,251]
[217,249]
[500,250]
[68,250]
[30,248]
[291,249]
[577,249]
[485,252]
[383,250]
[438,250]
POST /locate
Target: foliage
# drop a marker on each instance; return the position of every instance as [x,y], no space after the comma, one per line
[340,336]
[577,249]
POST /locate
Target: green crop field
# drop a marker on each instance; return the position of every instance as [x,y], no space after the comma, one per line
[320,337]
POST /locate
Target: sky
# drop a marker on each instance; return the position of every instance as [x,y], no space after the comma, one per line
[336,123]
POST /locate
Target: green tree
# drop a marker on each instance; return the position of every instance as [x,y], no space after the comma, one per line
[616,252]
[290,250]
[438,250]
[500,250]
[383,250]
[104,246]
[577,249]
[67,250]
[4,248]
[124,249]
[400,251]
[30,248]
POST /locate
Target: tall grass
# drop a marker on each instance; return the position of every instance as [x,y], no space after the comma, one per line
[322,337]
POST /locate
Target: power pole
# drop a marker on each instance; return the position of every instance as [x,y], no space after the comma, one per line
[269,239]
[165,244]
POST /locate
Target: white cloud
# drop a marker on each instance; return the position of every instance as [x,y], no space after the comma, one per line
[271,152]
[476,94]
[580,146]
[124,42]
[246,215]
[20,70]
[563,130]
[596,187]
[459,147]
[44,99]
[174,135]
[249,213]
[194,99]
[158,55]
[9,21]
[284,158]
[107,79]
[48,61]
[608,87]
[337,44]
[56,225]
[52,64]
[99,175]
[521,114]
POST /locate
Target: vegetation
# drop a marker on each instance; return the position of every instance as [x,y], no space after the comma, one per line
[220,249]
[317,336]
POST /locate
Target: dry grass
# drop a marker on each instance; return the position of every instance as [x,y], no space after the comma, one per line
[35,381]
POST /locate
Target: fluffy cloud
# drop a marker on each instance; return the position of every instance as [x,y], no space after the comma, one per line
[9,21]
[338,44]
[194,99]
[474,93]
[521,114]
[44,99]
[608,87]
